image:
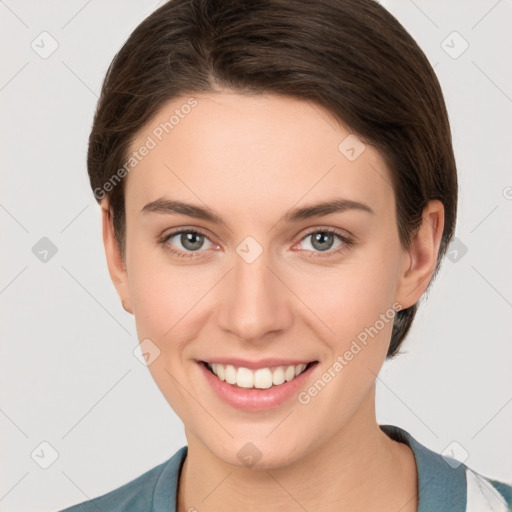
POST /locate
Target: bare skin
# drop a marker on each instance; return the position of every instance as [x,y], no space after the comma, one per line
[381,474]
[251,160]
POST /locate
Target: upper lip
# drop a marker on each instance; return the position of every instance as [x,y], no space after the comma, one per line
[254,365]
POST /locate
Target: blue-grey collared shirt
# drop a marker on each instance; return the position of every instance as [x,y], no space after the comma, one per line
[444,485]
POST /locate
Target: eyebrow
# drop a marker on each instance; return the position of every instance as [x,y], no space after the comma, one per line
[174,207]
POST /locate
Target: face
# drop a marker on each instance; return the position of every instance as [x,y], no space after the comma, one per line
[261,282]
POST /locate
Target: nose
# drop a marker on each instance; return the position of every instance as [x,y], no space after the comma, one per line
[255,302]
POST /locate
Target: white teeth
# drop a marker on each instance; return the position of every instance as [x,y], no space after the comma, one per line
[230,374]
[244,378]
[299,369]
[220,372]
[263,378]
[278,376]
[289,373]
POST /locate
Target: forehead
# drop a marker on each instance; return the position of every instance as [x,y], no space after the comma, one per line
[262,153]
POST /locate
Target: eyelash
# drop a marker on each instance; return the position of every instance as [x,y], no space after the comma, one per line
[347,242]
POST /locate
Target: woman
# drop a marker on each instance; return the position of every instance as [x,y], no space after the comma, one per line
[278,188]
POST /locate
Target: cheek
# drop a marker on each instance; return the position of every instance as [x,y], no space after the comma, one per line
[350,297]
[160,292]
[163,303]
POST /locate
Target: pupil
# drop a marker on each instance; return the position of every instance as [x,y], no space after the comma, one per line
[187,239]
[320,237]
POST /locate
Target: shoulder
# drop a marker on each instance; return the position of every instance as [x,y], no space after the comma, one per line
[154,490]
[447,484]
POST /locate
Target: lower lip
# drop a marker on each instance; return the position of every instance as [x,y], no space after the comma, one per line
[256,399]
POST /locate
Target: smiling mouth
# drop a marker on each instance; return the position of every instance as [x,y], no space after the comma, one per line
[262,378]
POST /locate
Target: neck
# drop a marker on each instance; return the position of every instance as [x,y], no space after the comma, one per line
[358,469]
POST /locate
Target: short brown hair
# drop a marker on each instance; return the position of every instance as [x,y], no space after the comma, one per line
[351,57]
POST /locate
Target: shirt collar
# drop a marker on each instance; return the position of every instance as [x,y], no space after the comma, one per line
[440,486]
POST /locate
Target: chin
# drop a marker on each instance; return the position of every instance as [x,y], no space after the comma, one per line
[258,453]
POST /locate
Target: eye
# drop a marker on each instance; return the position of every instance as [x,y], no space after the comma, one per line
[189,239]
[192,241]
[323,239]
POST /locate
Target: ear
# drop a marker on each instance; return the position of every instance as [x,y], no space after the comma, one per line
[116,264]
[420,261]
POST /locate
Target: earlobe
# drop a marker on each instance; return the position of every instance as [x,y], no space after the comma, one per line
[116,264]
[421,258]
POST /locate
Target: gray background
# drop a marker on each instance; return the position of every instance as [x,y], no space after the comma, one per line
[68,374]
